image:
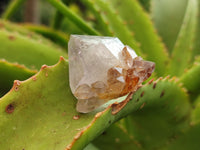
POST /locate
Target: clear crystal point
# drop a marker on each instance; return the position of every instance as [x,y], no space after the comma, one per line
[102,68]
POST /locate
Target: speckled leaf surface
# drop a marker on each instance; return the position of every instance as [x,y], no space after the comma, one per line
[158,114]
[38,113]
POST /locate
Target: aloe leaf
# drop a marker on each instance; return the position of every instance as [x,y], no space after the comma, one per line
[60,6]
[161,111]
[190,139]
[117,137]
[91,147]
[9,72]
[191,80]
[138,21]
[182,51]
[25,47]
[168,17]
[111,21]
[197,35]
[40,113]
[101,23]
[58,17]
[55,36]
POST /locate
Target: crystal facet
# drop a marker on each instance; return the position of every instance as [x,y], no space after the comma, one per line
[102,68]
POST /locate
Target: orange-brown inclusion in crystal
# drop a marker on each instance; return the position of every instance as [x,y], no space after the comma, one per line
[121,80]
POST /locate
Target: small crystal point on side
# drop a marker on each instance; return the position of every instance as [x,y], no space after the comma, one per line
[102,68]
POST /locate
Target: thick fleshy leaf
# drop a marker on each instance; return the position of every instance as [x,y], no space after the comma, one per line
[10,72]
[197,35]
[163,114]
[24,47]
[191,136]
[191,80]
[182,51]
[168,17]
[54,35]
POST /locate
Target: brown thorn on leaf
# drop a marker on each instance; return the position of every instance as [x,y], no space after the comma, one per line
[44,67]
[142,94]
[11,37]
[150,81]
[162,94]
[154,85]
[142,105]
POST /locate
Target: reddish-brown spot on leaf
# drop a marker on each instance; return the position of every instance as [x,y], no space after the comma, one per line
[11,37]
[10,108]
[150,81]
[162,94]
[142,94]
[142,105]
[1,25]
[154,85]
[76,117]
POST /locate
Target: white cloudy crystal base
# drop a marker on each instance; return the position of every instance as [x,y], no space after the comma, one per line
[102,68]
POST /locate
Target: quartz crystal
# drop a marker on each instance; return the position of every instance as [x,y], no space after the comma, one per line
[103,68]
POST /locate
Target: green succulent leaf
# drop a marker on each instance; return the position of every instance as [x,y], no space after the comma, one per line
[191,80]
[54,35]
[24,47]
[197,35]
[77,20]
[158,114]
[54,123]
[190,138]
[182,51]
[168,18]
[9,72]
[117,137]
